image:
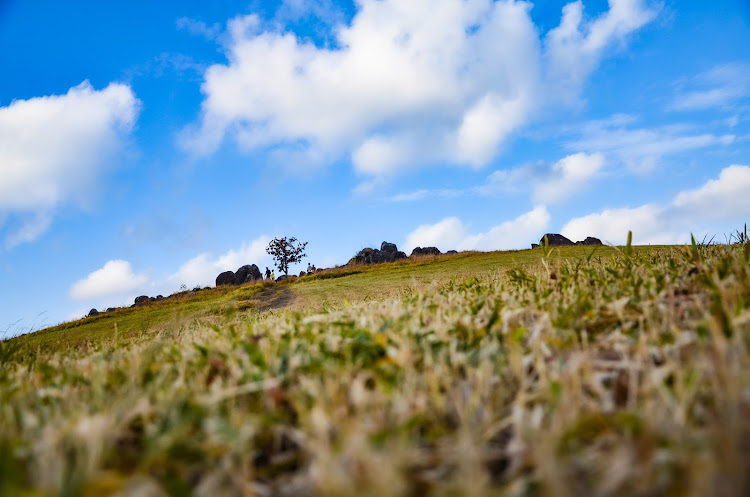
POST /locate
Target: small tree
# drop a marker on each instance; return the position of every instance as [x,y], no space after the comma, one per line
[286,251]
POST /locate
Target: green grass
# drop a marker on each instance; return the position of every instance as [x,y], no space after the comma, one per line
[625,372]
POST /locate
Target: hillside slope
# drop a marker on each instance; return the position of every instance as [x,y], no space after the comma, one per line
[625,372]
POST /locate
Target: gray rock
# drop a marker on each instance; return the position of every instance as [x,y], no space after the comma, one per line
[93,312]
[388,247]
[534,245]
[302,273]
[590,240]
[225,278]
[451,252]
[142,300]
[556,240]
[425,251]
[247,274]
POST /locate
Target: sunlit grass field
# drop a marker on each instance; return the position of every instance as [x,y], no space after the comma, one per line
[572,372]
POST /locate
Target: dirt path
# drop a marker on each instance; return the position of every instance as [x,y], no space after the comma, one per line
[273,297]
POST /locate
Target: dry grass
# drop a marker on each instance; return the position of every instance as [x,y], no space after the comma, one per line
[621,374]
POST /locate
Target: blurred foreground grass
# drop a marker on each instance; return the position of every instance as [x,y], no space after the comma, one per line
[622,372]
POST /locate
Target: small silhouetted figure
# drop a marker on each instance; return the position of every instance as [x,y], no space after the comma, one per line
[268,273]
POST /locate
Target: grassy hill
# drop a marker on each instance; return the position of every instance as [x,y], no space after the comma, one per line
[616,372]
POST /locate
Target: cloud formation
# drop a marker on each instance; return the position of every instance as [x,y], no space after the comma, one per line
[114,279]
[721,203]
[641,149]
[461,76]
[720,87]
[452,233]
[203,268]
[53,149]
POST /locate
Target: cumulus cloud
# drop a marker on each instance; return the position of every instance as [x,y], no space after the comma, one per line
[453,233]
[203,268]
[449,232]
[53,149]
[114,279]
[715,208]
[404,83]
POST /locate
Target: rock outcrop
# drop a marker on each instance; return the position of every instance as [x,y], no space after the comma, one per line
[388,253]
[590,240]
[557,240]
[247,274]
[93,312]
[225,278]
[425,251]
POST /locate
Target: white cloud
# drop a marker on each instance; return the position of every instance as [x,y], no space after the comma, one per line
[568,177]
[510,234]
[728,196]
[54,149]
[548,184]
[203,269]
[198,28]
[115,278]
[30,230]
[447,234]
[640,150]
[575,46]
[716,208]
[452,233]
[720,87]
[424,81]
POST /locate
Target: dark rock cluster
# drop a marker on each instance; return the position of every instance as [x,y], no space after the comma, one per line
[425,251]
[388,253]
[245,274]
[557,240]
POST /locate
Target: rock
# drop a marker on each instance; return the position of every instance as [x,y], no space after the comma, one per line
[451,252]
[286,277]
[110,309]
[246,274]
[92,313]
[142,300]
[160,297]
[534,245]
[555,240]
[388,253]
[590,240]
[302,273]
[225,278]
[388,247]
[425,251]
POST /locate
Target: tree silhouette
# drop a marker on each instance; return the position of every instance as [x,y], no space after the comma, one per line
[286,251]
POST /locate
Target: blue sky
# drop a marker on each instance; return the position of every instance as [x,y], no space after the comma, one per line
[147,145]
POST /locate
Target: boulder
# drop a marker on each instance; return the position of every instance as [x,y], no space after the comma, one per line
[451,252]
[246,274]
[388,252]
[110,309]
[590,240]
[425,251]
[388,247]
[225,278]
[534,245]
[142,300]
[286,277]
[556,240]
[93,312]
[302,273]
